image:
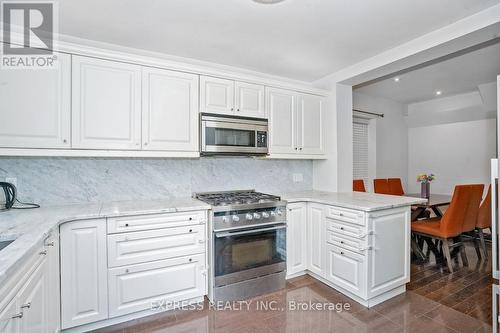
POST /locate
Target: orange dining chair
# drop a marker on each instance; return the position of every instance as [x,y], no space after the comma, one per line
[381,186]
[358,185]
[395,186]
[484,221]
[463,208]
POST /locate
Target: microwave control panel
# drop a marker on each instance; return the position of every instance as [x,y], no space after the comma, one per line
[261,139]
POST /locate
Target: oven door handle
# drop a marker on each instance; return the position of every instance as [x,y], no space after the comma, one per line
[253,231]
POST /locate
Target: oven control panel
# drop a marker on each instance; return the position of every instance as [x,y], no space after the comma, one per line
[246,218]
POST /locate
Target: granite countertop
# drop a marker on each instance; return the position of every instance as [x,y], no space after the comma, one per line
[30,227]
[367,202]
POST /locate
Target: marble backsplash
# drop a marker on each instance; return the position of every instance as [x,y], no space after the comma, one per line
[80,180]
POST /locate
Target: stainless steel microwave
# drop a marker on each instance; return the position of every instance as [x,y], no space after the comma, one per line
[229,135]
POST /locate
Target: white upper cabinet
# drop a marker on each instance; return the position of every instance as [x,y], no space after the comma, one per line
[169,110]
[106,105]
[282,118]
[233,98]
[35,106]
[216,95]
[296,123]
[310,128]
[249,100]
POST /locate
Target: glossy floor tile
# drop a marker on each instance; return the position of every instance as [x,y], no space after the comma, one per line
[409,312]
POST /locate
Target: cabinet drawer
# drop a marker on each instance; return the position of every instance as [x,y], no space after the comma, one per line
[345,229]
[154,221]
[143,246]
[345,215]
[346,269]
[353,244]
[139,287]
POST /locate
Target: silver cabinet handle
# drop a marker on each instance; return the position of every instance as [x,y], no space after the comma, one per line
[26,305]
[18,315]
[43,253]
[51,243]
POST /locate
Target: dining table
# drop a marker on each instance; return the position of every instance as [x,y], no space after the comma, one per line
[435,202]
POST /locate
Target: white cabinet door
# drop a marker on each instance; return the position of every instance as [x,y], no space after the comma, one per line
[169,110]
[346,269]
[388,268]
[310,122]
[296,247]
[84,293]
[35,107]
[106,104]
[139,287]
[33,301]
[10,318]
[282,121]
[249,100]
[316,239]
[216,95]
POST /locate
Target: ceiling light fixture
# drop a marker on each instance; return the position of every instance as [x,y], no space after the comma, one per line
[438,92]
[268,2]
[396,79]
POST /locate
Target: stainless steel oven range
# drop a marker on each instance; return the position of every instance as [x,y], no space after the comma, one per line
[248,244]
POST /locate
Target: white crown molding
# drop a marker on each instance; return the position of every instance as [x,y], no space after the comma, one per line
[90,48]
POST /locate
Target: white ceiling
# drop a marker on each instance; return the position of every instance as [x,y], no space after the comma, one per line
[300,39]
[453,76]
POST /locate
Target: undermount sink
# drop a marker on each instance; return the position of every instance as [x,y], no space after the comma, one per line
[4,244]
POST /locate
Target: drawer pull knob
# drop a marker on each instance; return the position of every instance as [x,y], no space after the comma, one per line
[127,271]
[190,219]
[190,259]
[26,305]
[190,230]
[43,253]
[19,315]
[340,214]
[342,253]
[341,242]
[50,243]
[126,224]
[341,228]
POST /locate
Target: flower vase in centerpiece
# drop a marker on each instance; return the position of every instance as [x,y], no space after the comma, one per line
[425,184]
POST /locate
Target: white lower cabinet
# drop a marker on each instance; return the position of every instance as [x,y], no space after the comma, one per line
[84,289]
[123,265]
[316,239]
[31,307]
[141,287]
[357,252]
[296,260]
[346,269]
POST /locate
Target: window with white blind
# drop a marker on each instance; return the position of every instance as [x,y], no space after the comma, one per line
[360,149]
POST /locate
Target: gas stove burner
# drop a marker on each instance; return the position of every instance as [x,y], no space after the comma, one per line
[236,198]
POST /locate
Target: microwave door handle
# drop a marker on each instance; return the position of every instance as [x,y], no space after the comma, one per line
[247,232]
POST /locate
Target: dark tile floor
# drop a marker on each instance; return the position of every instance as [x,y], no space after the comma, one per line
[436,301]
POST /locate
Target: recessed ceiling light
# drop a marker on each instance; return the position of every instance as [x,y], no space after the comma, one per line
[438,92]
[268,2]
[396,79]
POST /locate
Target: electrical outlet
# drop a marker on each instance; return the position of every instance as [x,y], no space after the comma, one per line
[12,180]
[297,177]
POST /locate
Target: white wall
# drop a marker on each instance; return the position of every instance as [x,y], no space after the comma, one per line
[391,137]
[453,137]
[457,153]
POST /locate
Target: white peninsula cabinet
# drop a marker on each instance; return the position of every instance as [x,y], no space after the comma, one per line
[296,124]
[35,106]
[116,269]
[223,96]
[363,254]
